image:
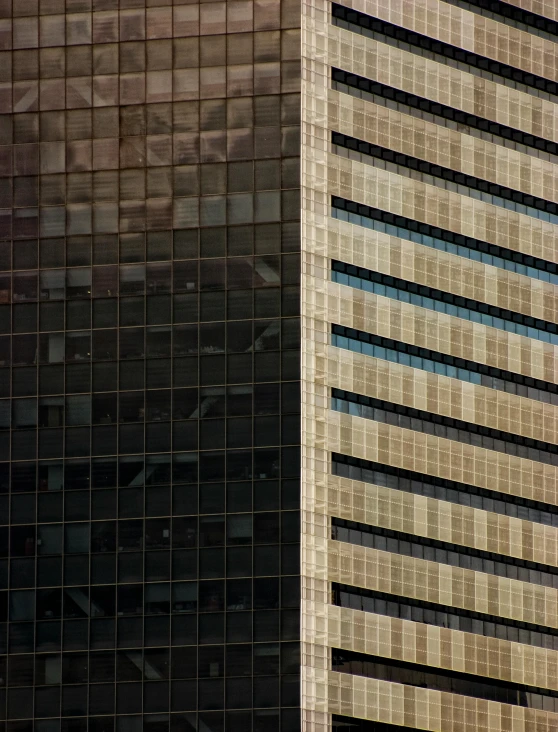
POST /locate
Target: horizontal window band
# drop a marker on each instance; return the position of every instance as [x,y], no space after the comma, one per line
[428,423]
[443,302]
[381,163]
[443,240]
[441,296]
[447,179]
[443,112]
[442,52]
[511,15]
[435,362]
[436,119]
[441,420]
[442,489]
[443,552]
[533,388]
[353,724]
[440,679]
[431,613]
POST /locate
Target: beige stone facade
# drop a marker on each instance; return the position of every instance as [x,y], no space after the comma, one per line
[331,172]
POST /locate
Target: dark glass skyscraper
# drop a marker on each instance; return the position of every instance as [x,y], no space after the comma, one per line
[210,323]
[150,349]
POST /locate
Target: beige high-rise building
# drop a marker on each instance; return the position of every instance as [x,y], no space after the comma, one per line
[429,369]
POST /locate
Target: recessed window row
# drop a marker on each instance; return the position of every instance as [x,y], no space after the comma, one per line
[443,552]
[352,724]
[443,240]
[430,613]
[462,494]
[440,363]
[453,682]
[453,119]
[511,15]
[446,428]
[444,53]
[443,302]
[444,178]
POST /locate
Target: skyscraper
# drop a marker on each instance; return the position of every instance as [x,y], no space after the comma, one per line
[263,260]
[150,416]
[429,472]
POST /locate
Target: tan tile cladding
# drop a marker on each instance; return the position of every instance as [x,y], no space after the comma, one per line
[426,78]
[383,443]
[454,650]
[442,584]
[444,271]
[427,709]
[438,207]
[438,394]
[441,270]
[546,8]
[468,30]
[324,431]
[440,332]
[440,520]
[441,146]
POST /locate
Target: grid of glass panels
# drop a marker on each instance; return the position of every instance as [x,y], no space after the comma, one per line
[149,357]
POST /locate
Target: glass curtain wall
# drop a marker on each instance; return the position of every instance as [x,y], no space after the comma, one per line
[149,359]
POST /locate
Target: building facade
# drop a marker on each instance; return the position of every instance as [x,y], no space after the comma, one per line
[429,402]
[150,365]
[278,389]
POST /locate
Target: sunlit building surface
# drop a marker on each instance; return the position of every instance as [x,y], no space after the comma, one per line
[429,370]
